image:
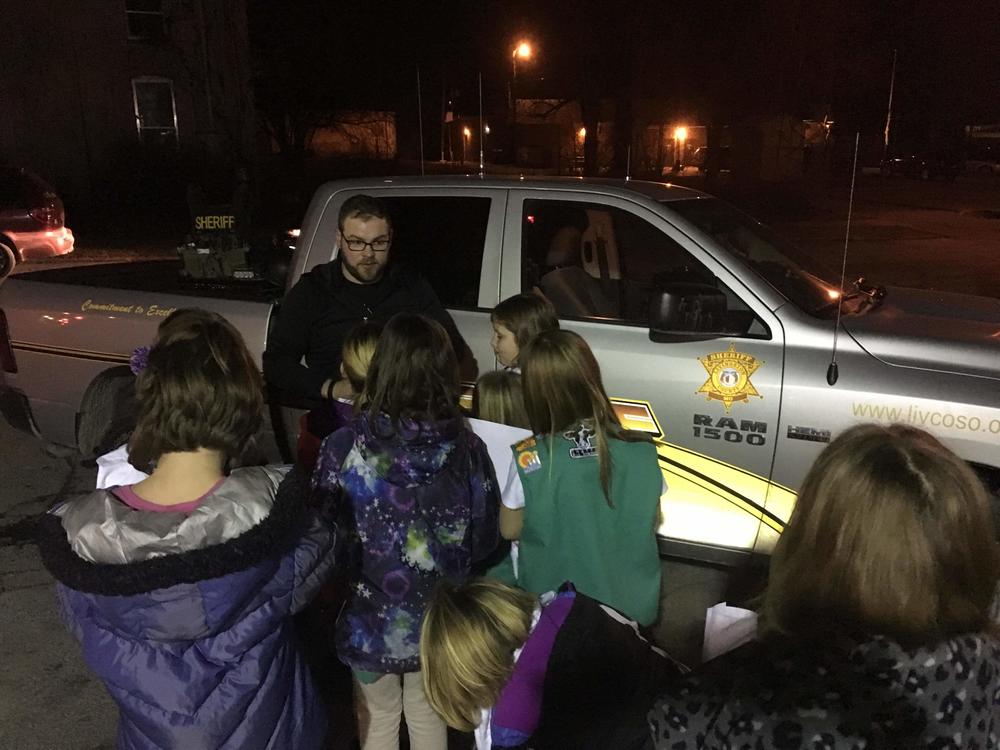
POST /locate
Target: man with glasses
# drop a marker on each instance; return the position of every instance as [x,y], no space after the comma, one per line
[325,304]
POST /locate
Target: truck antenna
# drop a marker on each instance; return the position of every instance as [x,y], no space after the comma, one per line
[420,122]
[832,372]
[482,161]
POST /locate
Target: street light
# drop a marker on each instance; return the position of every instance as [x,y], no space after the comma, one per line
[680,135]
[466,135]
[522,51]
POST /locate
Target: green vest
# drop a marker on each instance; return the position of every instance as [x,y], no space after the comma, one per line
[570,532]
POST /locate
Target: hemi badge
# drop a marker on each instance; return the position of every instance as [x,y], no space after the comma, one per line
[809,433]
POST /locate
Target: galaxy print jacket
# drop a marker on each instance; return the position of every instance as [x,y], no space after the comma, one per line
[420,503]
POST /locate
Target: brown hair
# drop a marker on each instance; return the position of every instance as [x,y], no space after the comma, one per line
[364,207]
[357,352]
[201,389]
[891,534]
[414,373]
[525,315]
[467,643]
[498,398]
[563,387]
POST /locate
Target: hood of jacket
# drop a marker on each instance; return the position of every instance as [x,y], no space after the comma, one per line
[165,576]
[196,645]
[411,453]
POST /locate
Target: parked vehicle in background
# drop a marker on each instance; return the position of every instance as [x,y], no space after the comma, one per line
[982,157]
[927,166]
[32,219]
[983,166]
[698,160]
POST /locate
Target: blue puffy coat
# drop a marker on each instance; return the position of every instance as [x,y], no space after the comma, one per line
[187,617]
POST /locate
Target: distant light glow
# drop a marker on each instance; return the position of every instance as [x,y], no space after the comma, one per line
[294,232]
[581,133]
[466,132]
[486,129]
[681,133]
[530,218]
[523,50]
[833,294]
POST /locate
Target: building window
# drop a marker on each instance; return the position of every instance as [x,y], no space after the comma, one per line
[155,113]
[145,20]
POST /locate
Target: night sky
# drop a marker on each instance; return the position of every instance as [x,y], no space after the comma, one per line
[710,59]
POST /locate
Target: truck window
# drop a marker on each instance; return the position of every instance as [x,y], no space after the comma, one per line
[443,237]
[600,262]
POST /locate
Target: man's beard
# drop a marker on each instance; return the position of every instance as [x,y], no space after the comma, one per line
[364,273]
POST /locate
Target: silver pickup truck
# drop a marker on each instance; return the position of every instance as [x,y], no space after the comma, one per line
[710,336]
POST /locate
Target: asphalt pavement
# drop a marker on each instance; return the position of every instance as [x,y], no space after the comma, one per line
[48,698]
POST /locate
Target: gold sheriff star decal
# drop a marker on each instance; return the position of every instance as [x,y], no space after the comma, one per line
[729,376]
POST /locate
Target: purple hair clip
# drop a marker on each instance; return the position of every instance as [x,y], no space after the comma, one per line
[139,360]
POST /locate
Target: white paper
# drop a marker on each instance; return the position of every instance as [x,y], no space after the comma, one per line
[499,438]
[727,628]
[484,738]
[114,470]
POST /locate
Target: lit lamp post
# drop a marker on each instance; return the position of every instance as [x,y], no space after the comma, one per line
[466,135]
[521,51]
[680,135]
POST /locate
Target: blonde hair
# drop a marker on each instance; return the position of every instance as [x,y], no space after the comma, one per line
[563,387]
[357,352]
[498,398]
[891,534]
[467,644]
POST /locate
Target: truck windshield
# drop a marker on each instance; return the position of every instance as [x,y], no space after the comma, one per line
[762,250]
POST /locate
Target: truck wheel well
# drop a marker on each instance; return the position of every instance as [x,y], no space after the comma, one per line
[8,256]
[107,412]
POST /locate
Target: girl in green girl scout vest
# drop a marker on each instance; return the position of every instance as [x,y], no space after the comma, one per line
[582,496]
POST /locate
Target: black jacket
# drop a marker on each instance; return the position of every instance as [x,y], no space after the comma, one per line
[322,308]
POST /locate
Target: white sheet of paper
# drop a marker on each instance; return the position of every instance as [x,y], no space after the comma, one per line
[114,470]
[727,628]
[499,438]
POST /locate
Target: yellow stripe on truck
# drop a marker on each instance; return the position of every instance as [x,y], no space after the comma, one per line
[712,502]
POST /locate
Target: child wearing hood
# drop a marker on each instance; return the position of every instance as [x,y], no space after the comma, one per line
[415,489]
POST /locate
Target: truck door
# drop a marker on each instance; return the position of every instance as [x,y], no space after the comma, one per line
[712,402]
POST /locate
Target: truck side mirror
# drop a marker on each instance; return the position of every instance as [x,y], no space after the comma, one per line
[687,311]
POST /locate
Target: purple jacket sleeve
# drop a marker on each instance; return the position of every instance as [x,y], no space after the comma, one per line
[328,496]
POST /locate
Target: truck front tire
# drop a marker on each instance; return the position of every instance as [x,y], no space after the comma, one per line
[8,258]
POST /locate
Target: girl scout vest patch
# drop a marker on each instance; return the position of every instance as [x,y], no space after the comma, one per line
[528,459]
[582,437]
